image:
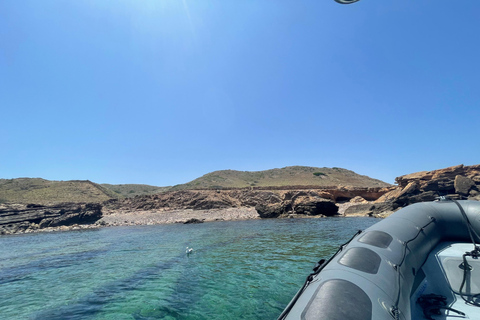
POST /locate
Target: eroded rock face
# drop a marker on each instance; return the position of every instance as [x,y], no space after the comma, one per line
[315,207]
[269,204]
[379,209]
[19,218]
[298,202]
[310,203]
[456,182]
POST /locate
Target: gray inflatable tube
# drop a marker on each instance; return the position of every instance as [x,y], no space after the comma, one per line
[374,275]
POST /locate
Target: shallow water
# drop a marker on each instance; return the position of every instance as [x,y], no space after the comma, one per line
[239,270]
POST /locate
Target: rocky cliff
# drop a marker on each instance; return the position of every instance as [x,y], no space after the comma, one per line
[271,202]
[458,182]
[23,218]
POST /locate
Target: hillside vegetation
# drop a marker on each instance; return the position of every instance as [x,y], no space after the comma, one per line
[288,176]
[132,190]
[41,191]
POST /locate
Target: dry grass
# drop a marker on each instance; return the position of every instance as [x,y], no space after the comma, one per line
[131,190]
[288,176]
[41,191]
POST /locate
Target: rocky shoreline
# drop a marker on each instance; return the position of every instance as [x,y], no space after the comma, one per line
[197,206]
[152,217]
[139,218]
[187,216]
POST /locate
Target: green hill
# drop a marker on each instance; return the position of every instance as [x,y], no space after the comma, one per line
[288,176]
[41,191]
[131,190]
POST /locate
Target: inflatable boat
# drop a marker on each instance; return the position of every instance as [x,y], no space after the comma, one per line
[422,262]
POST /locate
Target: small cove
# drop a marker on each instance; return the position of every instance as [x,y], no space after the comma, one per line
[239,270]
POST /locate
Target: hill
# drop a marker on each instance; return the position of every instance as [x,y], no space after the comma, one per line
[288,176]
[41,191]
[132,190]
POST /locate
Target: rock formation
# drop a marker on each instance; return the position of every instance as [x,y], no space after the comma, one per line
[458,182]
[269,204]
[288,199]
[20,218]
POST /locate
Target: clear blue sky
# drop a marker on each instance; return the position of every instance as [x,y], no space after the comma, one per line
[163,91]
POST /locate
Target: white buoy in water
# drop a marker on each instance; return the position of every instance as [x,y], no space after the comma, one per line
[189,250]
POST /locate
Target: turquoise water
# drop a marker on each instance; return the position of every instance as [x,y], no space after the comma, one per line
[239,270]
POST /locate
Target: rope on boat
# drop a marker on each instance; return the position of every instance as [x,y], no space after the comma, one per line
[431,304]
[316,270]
[469,225]
[394,309]
[469,298]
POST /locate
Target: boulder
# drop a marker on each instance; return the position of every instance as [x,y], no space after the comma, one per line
[463,185]
[269,210]
[358,199]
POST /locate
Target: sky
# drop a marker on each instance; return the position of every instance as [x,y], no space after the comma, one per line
[161,92]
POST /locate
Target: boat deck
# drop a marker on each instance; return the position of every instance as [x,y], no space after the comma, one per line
[443,276]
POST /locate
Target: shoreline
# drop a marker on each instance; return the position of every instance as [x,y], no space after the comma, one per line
[118,218]
[135,217]
[154,217]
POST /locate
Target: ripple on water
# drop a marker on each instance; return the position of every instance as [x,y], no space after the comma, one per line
[243,269]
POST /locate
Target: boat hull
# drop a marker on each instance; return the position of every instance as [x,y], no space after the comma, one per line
[379,272]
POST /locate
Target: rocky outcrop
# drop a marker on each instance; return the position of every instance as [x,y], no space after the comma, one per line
[20,218]
[269,204]
[197,200]
[458,182]
[270,210]
[464,185]
[308,203]
[379,209]
[347,193]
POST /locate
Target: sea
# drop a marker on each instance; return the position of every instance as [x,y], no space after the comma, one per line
[237,270]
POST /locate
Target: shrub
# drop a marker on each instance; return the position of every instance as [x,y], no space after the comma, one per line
[319,174]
